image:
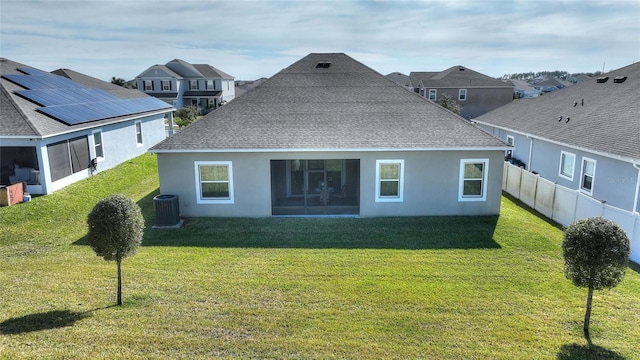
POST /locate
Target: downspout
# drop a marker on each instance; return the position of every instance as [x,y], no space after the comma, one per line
[635,200]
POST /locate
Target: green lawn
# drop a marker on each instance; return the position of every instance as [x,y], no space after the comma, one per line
[387,288]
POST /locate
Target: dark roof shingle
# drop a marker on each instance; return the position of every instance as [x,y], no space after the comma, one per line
[603,117]
[344,106]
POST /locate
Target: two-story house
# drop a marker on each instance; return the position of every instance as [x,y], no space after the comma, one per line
[476,93]
[182,84]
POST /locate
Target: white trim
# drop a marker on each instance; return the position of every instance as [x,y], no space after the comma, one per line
[496,148]
[573,167]
[92,153]
[485,174]
[199,198]
[135,129]
[400,196]
[513,141]
[460,95]
[593,176]
[435,95]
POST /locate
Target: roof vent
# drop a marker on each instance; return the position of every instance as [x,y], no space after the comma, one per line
[461,69]
[323,65]
[619,79]
[602,80]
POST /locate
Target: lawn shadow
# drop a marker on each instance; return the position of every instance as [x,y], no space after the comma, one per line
[587,352]
[427,232]
[41,321]
[437,232]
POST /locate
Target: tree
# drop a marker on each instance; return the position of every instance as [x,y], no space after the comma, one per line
[185,116]
[118,81]
[448,103]
[596,255]
[115,231]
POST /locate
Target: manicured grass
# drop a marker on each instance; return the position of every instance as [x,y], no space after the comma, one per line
[389,288]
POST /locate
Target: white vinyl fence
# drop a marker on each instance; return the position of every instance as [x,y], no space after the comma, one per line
[565,205]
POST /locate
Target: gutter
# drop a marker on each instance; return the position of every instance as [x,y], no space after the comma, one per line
[283,150]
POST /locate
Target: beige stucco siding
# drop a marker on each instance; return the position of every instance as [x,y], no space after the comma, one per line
[431,182]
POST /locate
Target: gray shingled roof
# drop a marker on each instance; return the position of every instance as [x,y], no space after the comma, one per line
[345,106]
[19,118]
[608,122]
[209,71]
[460,76]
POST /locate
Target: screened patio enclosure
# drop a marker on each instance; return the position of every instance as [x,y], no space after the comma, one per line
[315,187]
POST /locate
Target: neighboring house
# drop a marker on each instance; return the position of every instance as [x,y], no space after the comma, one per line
[58,129]
[585,137]
[523,89]
[552,83]
[476,93]
[400,79]
[327,136]
[182,84]
[242,86]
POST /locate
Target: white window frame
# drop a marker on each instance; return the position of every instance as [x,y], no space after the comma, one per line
[435,94]
[582,174]
[400,196]
[94,145]
[213,84]
[564,155]
[462,94]
[485,174]
[192,83]
[511,140]
[167,82]
[139,138]
[199,198]
[144,84]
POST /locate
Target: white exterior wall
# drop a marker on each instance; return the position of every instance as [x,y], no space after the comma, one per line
[431,182]
[119,145]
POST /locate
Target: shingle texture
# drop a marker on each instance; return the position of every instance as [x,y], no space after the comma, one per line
[18,116]
[345,106]
[605,118]
[455,76]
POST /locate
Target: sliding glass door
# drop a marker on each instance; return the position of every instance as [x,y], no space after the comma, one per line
[308,187]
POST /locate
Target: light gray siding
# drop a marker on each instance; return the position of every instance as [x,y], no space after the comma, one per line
[431,182]
[615,180]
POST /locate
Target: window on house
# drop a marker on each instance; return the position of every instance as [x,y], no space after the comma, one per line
[433,94]
[193,84]
[462,94]
[389,180]
[139,132]
[148,85]
[68,157]
[473,179]
[166,85]
[211,85]
[567,164]
[588,175]
[214,182]
[511,140]
[97,144]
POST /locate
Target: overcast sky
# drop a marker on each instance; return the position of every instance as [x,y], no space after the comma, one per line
[253,39]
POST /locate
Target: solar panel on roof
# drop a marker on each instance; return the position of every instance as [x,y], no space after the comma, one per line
[73,114]
[32,71]
[72,103]
[33,82]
